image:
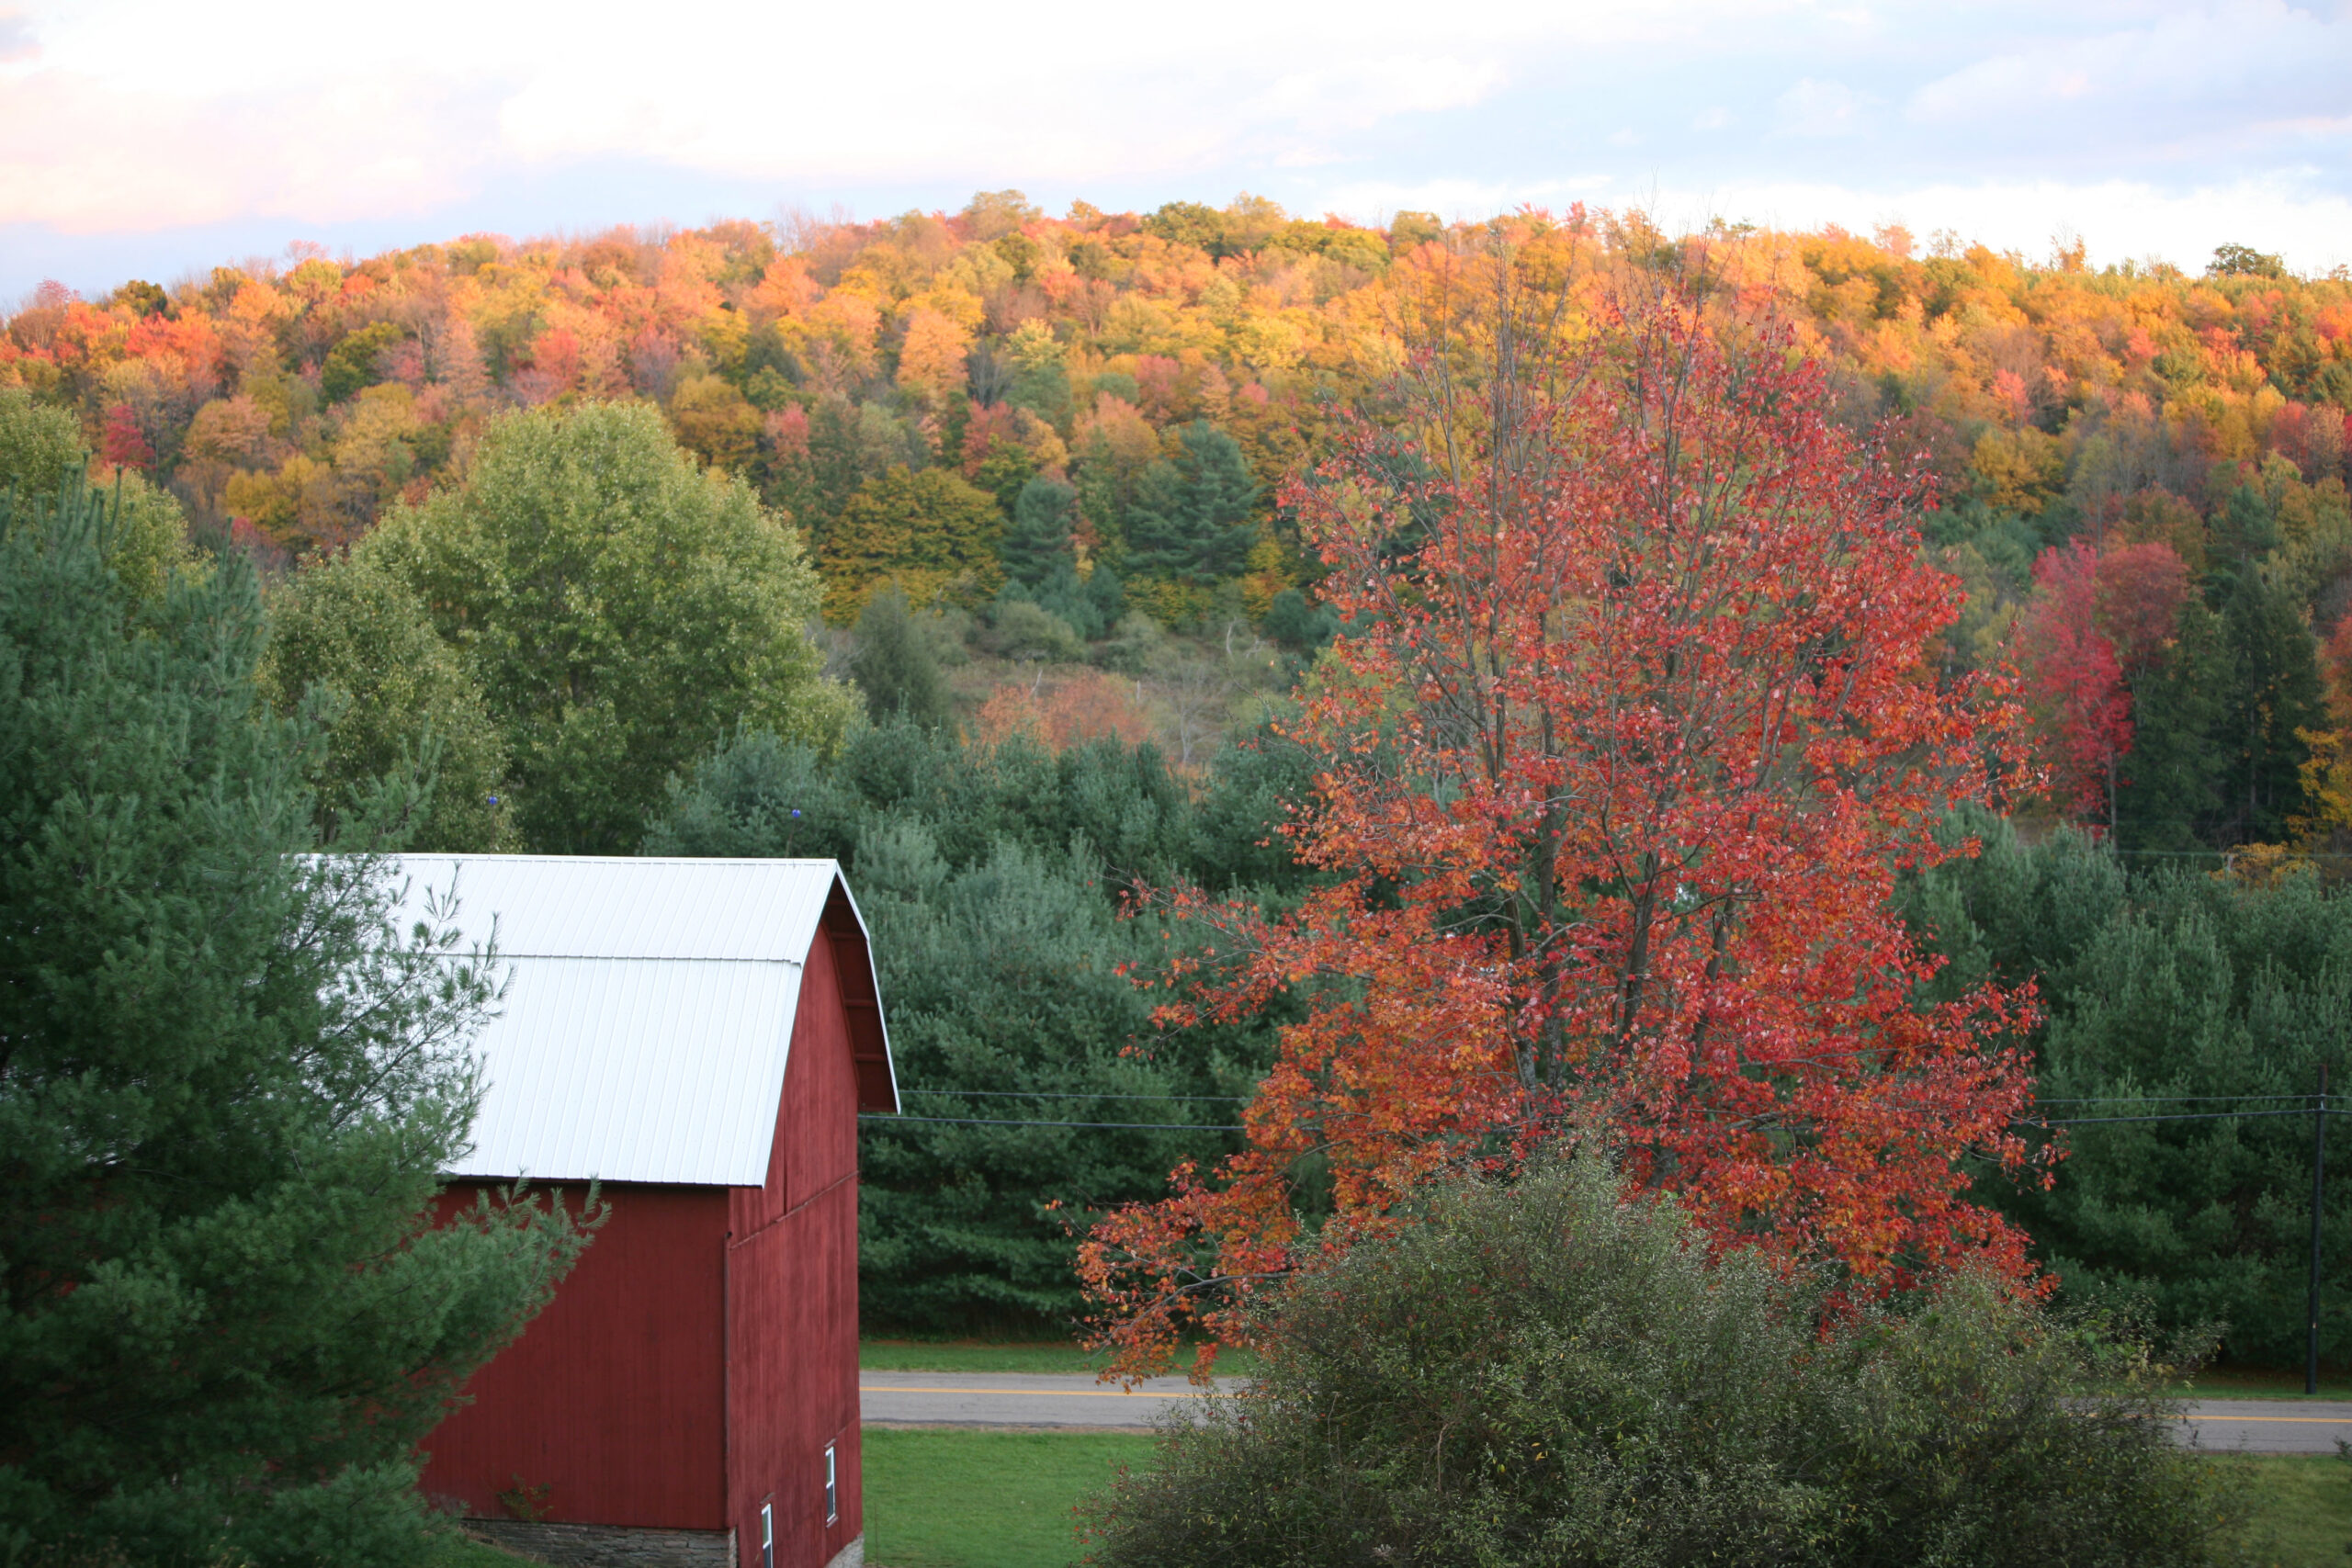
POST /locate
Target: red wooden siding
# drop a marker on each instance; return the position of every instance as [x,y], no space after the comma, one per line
[792,1292]
[614,1398]
[869,1048]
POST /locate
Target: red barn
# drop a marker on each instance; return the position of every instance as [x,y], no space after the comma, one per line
[699,1036]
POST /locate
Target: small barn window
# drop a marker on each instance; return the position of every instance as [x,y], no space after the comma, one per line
[833,1494]
[767,1535]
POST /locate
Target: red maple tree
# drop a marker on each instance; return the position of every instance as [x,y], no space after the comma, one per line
[2075,680]
[1634,727]
[123,444]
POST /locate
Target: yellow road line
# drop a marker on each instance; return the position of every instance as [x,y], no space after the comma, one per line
[2305,1420]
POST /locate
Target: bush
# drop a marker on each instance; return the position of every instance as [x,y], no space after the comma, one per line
[1551,1371]
[1024,630]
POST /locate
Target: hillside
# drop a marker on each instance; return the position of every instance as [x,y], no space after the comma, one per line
[2142,472]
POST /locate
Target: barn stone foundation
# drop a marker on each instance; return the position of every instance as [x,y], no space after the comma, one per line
[849,1556]
[616,1546]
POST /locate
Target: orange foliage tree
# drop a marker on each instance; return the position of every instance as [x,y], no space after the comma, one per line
[1635,731]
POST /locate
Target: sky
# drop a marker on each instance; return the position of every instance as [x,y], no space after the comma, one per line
[159,137]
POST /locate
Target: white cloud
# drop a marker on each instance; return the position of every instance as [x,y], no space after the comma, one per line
[2119,220]
[1819,108]
[2146,123]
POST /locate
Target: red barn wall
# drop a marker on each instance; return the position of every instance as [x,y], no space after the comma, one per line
[613,1399]
[792,1297]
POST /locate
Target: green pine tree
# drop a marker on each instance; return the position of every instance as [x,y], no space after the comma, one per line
[1039,539]
[2171,794]
[227,1087]
[2274,695]
[896,665]
[1192,517]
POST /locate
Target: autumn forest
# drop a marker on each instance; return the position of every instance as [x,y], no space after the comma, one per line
[2141,471]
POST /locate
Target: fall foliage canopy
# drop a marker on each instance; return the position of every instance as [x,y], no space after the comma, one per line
[1636,725]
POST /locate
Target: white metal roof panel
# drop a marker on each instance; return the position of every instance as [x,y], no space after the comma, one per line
[589,906]
[648,1016]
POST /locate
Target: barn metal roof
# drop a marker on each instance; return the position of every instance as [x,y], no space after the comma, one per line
[648,1012]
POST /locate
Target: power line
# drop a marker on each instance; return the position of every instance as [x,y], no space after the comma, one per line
[2165,1099]
[2185,1116]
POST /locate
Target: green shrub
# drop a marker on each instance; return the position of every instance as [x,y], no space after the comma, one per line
[1552,1371]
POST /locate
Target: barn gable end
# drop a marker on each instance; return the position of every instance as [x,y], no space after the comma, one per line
[700,1036]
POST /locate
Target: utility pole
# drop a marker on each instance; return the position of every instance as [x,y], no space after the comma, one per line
[2319,1181]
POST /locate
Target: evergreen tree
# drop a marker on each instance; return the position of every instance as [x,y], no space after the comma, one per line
[2166,990]
[895,664]
[2273,695]
[227,1087]
[2171,796]
[1191,519]
[1039,539]
[991,881]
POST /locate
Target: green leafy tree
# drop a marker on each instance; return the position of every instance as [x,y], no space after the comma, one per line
[227,1085]
[2245,261]
[1551,1371]
[1189,224]
[895,664]
[144,537]
[622,609]
[350,634]
[927,529]
[1192,517]
[351,363]
[715,421]
[1005,473]
[39,445]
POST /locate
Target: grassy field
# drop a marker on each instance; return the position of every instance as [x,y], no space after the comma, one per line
[948,1498]
[996,1356]
[2303,1507]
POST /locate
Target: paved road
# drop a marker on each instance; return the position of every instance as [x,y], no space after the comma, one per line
[995,1399]
[2269,1427]
[1007,1399]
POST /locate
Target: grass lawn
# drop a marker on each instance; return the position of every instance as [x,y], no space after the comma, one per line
[461,1551]
[940,1497]
[2303,1512]
[943,1497]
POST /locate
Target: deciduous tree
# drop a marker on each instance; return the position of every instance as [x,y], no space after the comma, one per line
[2075,684]
[622,608]
[1615,776]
